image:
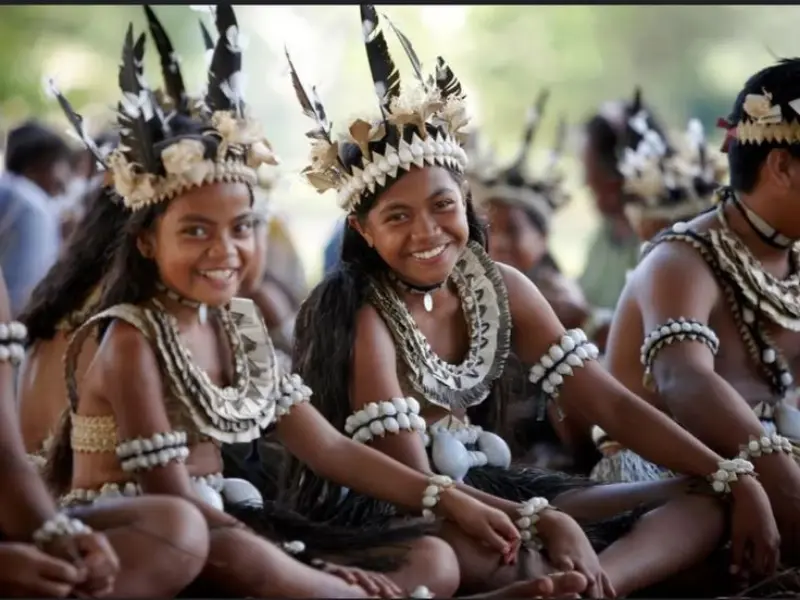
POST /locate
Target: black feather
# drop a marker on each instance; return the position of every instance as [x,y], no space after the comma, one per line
[170,67]
[208,44]
[225,73]
[77,123]
[558,146]
[535,117]
[636,105]
[312,105]
[416,63]
[385,75]
[448,84]
[140,128]
[208,41]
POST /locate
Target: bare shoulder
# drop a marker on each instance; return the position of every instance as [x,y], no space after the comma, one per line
[512,277]
[670,267]
[372,332]
[124,355]
[373,373]
[522,292]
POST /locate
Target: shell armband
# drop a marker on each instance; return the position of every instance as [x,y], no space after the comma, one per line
[766,444]
[529,515]
[680,330]
[571,352]
[12,342]
[430,497]
[144,454]
[729,471]
[376,419]
[293,392]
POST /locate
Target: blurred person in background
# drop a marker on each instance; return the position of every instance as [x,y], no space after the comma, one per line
[37,171]
[614,248]
[519,208]
[276,280]
[666,181]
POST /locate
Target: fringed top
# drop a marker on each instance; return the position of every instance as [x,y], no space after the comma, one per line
[484,299]
[229,415]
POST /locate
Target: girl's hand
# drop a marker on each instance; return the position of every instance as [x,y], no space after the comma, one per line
[478,520]
[569,550]
[92,553]
[377,585]
[27,572]
[755,541]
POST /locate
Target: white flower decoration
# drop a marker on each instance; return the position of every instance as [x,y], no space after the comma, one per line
[180,158]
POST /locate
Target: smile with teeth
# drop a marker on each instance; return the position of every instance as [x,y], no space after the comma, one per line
[221,275]
[428,254]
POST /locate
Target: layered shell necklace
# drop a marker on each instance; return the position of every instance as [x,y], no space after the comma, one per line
[234,413]
[484,300]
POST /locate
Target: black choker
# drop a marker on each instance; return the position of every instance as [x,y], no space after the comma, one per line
[202,308]
[424,290]
[768,234]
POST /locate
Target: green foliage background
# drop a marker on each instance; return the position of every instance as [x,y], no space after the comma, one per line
[689,60]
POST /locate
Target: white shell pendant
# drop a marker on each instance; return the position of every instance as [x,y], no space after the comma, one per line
[427,302]
[202,313]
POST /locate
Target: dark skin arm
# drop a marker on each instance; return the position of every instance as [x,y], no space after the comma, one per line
[134,389]
[594,396]
[24,511]
[331,455]
[684,373]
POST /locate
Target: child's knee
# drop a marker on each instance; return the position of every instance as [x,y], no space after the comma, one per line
[708,513]
[436,563]
[180,525]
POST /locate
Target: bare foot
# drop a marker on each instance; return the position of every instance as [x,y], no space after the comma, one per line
[558,585]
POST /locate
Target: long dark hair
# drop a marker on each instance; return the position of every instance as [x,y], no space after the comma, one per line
[84,261]
[132,279]
[325,336]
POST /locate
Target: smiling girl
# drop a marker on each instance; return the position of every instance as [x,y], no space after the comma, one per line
[419,320]
[184,367]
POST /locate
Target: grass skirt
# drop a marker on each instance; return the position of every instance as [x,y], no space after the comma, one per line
[516,484]
[378,543]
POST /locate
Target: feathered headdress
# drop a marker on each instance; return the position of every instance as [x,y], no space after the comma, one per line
[543,194]
[418,126]
[666,180]
[161,155]
[764,120]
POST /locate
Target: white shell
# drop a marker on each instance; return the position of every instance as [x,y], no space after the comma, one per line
[495,448]
[449,456]
[236,491]
[787,421]
[209,495]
